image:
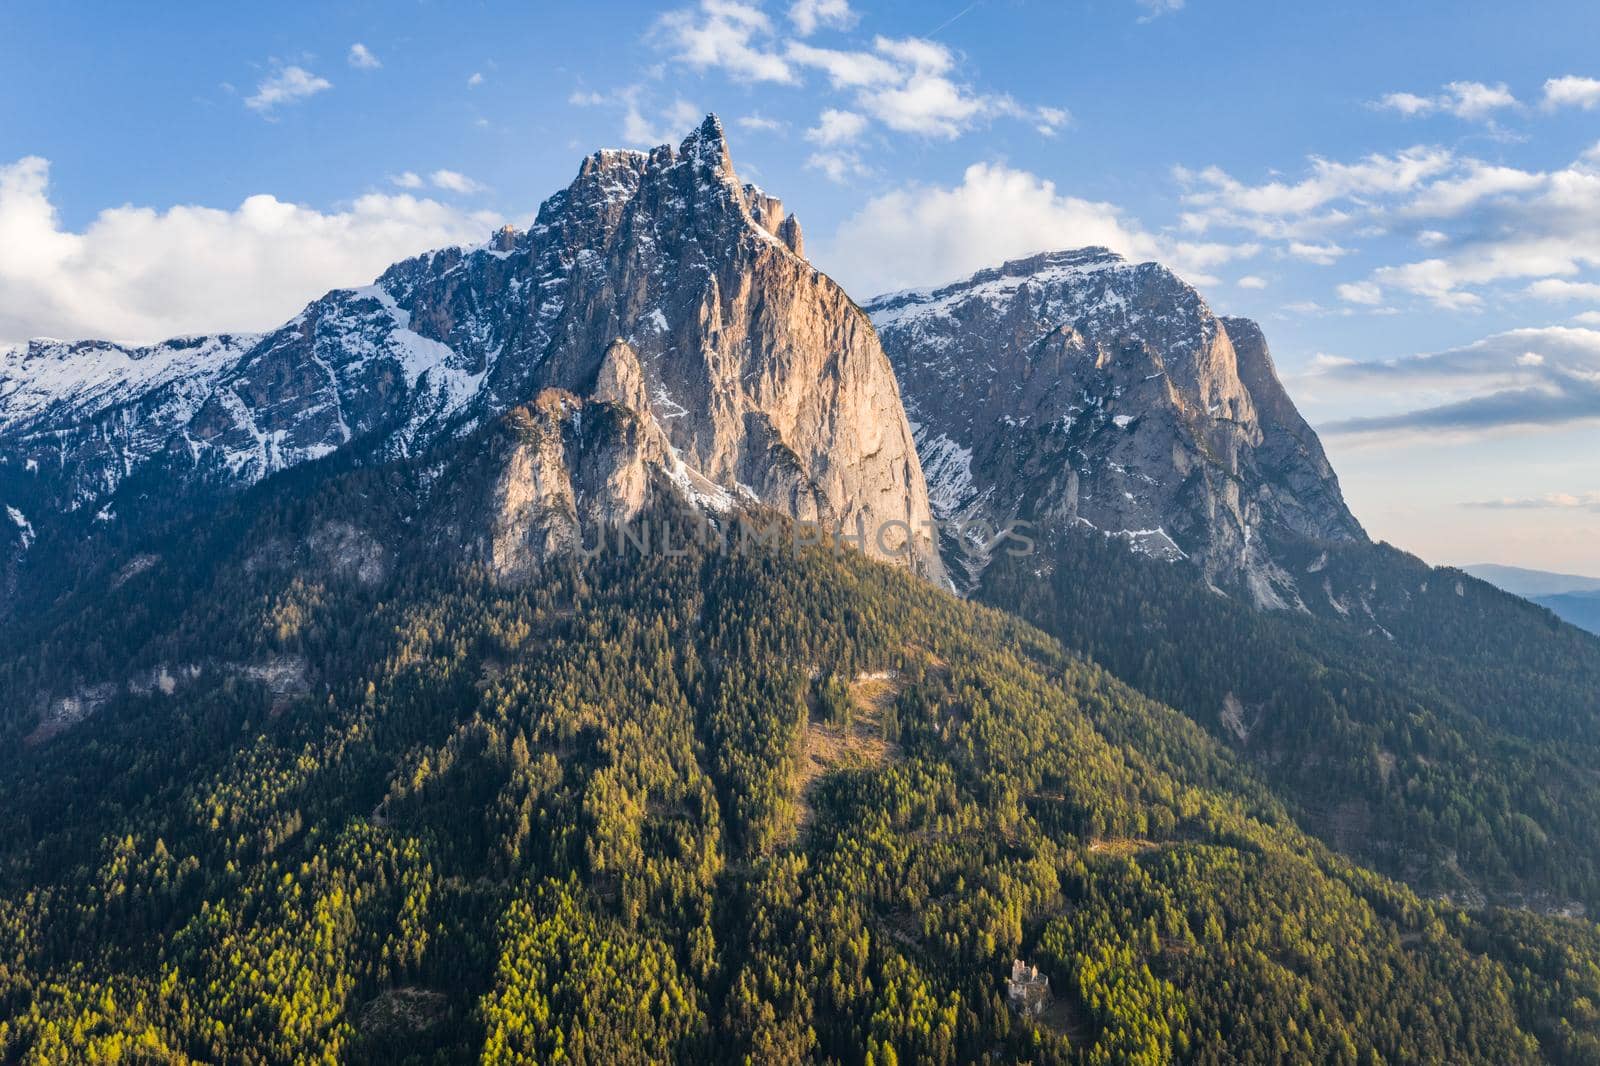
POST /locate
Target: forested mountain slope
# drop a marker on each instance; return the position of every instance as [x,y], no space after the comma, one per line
[1189,533]
[1453,743]
[376,805]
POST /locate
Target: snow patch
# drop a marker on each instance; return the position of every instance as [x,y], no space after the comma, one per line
[23,525]
[947,468]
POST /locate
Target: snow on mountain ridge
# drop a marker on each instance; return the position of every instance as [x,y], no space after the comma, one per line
[45,372]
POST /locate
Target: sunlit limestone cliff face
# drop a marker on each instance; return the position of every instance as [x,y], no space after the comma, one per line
[752,376]
[1076,389]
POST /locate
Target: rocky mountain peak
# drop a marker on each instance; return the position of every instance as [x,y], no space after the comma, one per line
[1077,389]
[706,149]
[655,283]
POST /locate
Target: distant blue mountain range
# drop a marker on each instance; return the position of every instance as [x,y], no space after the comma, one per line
[1573,598]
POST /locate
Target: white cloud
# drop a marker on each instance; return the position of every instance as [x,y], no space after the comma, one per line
[361,57]
[409,179]
[1323,362]
[1154,9]
[927,102]
[475,81]
[924,235]
[1540,226]
[1251,281]
[810,15]
[728,35]
[1523,378]
[1558,289]
[1572,91]
[905,83]
[287,86]
[137,275]
[1329,181]
[668,126]
[454,181]
[647,126]
[1051,119]
[1408,104]
[838,167]
[918,53]
[1480,181]
[1361,292]
[1320,254]
[758,122]
[1504,223]
[845,69]
[837,127]
[1475,100]
[1470,100]
[1550,501]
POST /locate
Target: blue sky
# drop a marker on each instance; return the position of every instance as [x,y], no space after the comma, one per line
[1407,196]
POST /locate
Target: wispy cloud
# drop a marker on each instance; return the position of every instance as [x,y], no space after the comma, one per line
[1562,501]
[645,124]
[1529,378]
[908,85]
[361,57]
[809,16]
[664,126]
[1485,224]
[288,85]
[838,166]
[455,181]
[1154,9]
[1216,197]
[1360,292]
[1324,254]
[837,127]
[1470,100]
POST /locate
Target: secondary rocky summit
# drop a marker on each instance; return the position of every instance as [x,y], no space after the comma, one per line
[1078,389]
[657,277]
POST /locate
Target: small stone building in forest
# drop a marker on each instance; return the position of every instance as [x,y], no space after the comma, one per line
[1027,990]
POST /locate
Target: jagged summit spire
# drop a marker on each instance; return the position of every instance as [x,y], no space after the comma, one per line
[709,132]
[707,146]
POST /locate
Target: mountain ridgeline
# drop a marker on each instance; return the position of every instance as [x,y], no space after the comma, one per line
[330,732]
